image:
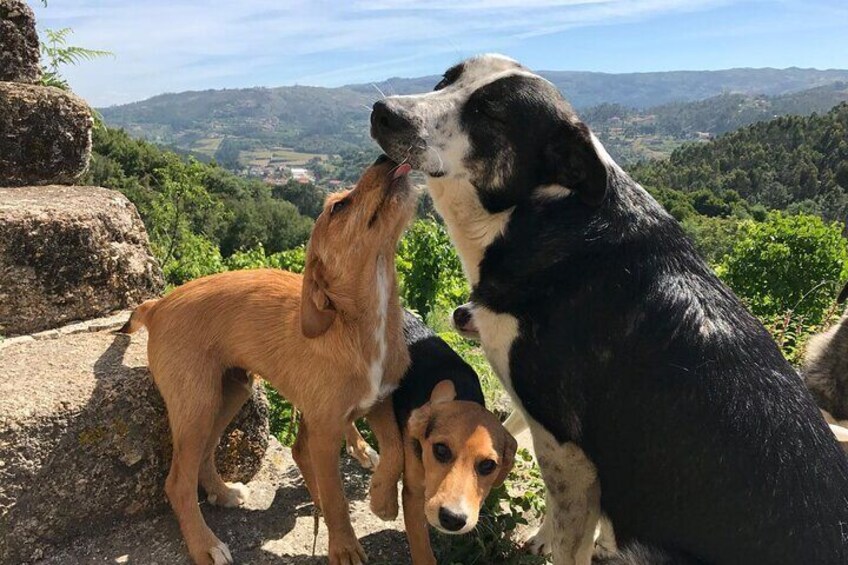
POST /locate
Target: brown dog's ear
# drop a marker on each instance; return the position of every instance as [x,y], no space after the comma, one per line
[317,311]
[507,458]
[443,392]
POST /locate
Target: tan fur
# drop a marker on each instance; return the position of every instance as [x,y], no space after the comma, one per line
[319,355]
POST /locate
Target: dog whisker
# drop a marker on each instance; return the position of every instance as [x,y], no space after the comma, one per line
[377,88]
[438,156]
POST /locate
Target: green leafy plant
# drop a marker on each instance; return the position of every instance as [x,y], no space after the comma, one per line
[787,264]
[57,53]
[430,271]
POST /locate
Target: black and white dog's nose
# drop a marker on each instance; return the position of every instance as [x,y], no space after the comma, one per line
[386,119]
[450,521]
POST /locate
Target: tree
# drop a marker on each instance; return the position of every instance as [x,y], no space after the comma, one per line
[788,264]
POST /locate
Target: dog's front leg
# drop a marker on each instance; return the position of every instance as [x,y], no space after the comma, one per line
[324,441]
[384,495]
[414,519]
[574,496]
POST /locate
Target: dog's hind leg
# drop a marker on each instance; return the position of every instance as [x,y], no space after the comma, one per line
[193,403]
[237,386]
[303,460]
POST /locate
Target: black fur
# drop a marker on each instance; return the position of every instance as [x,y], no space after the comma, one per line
[708,444]
[432,361]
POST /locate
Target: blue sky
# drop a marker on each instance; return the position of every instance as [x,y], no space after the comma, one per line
[175,45]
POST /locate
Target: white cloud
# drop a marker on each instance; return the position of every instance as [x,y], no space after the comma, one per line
[171,45]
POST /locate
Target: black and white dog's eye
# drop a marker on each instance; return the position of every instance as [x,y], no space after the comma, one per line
[486,467]
[442,453]
[338,207]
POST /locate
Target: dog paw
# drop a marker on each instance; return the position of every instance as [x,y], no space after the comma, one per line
[234,496]
[220,554]
[347,552]
[368,458]
[540,542]
[384,501]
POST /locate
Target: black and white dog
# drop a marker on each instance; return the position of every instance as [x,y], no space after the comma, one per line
[653,396]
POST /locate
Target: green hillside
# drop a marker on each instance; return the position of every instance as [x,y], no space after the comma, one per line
[290,125]
[792,162]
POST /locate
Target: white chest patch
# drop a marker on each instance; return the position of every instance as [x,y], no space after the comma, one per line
[471,227]
[376,368]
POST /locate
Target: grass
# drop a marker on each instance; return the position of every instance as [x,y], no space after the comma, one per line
[207,145]
[285,156]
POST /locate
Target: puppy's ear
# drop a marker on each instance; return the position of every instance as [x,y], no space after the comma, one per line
[573,162]
[443,392]
[507,458]
[418,420]
[317,311]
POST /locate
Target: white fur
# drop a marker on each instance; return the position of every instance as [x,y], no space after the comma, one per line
[551,192]
[376,368]
[470,226]
[236,496]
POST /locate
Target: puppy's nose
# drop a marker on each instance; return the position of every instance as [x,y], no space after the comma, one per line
[450,521]
[385,119]
[461,317]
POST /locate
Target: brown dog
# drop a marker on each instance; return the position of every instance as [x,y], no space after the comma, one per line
[330,342]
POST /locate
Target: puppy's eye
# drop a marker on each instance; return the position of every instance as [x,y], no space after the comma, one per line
[442,452]
[486,467]
[338,207]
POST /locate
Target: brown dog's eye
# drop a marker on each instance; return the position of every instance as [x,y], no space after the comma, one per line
[338,207]
[442,452]
[486,467]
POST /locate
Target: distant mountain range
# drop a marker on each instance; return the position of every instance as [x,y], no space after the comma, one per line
[641,115]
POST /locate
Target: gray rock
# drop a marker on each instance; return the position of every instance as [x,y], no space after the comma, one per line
[70,253]
[274,528]
[19,56]
[84,440]
[45,135]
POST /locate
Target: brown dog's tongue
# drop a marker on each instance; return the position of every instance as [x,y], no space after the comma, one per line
[402,170]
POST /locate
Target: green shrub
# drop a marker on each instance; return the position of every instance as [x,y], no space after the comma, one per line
[193,256]
[429,269]
[787,264]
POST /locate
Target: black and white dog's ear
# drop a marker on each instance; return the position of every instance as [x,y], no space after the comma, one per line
[572,161]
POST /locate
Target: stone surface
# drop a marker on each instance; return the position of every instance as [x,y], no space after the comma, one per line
[19,56]
[45,135]
[84,439]
[274,528]
[70,253]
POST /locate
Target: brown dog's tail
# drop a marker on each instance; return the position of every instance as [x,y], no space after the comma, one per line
[139,317]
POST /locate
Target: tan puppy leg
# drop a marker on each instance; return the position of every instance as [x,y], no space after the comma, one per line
[191,414]
[324,440]
[359,449]
[414,519]
[303,460]
[384,495]
[237,388]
